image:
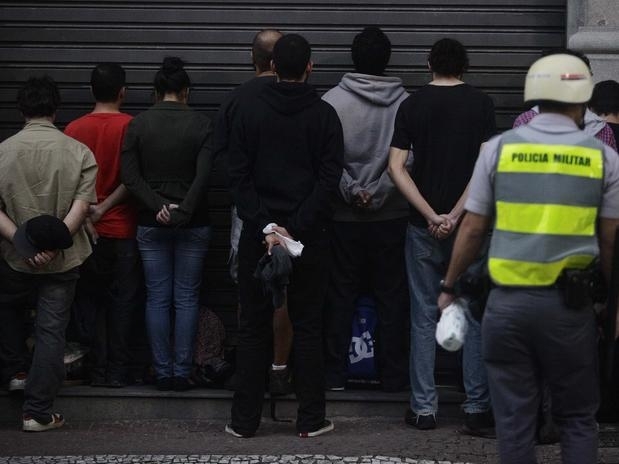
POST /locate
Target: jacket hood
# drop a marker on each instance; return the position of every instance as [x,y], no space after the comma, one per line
[379,90]
[289,97]
[593,122]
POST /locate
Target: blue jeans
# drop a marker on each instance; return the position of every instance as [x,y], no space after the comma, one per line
[173,261]
[426,264]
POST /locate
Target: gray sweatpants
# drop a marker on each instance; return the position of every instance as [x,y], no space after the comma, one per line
[528,336]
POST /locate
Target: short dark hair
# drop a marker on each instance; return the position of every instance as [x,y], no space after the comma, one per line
[605,98]
[106,81]
[567,51]
[448,57]
[262,48]
[39,97]
[371,50]
[551,106]
[171,77]
[291,55]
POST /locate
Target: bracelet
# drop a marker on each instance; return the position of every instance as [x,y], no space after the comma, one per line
[446,289]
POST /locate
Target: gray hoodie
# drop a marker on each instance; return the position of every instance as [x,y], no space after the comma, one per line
[366,106]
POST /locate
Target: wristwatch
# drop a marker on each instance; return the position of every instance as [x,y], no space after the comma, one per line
[446,289]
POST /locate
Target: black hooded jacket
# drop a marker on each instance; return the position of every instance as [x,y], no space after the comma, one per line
[285,158]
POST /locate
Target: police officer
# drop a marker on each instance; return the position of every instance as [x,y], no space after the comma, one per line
[552,193]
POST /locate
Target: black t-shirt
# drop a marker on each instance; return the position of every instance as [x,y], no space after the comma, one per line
[445,126]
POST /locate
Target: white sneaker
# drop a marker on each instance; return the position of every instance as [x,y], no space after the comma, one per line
[327,426]
[18,381]
[30,424]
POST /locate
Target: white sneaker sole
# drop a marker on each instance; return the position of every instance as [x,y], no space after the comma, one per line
[15,385]
[30,425]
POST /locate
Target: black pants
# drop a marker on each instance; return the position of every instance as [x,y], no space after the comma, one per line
[368,253]
[530,337]
[107,296]
[16,298]
[53,295]
[306,293]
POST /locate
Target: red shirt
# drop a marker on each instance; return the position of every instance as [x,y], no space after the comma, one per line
[103,133]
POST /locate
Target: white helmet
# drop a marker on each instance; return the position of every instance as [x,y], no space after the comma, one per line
[560,78]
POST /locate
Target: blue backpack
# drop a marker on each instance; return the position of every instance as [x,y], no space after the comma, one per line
[361,356]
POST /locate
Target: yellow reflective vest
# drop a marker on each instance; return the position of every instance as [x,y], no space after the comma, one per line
[546,207]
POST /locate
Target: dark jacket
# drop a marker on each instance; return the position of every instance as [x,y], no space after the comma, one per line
[166,158]
[285,159]
[229,109]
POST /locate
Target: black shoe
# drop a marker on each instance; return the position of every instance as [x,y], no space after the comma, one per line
[325,427]
[479,424]
[280,382]
[164,384]
[421,422]
[181,384]
[120,379]
[97,378]
[117,382]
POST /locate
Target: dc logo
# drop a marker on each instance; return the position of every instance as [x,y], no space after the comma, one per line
[361,348]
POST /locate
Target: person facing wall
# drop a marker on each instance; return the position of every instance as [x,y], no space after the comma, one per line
[370,217]
[165,164]
[110,278]
[47,183]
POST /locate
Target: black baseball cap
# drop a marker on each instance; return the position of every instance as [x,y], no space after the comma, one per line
[41,233]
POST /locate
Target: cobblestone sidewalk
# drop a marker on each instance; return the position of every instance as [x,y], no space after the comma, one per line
[216,459]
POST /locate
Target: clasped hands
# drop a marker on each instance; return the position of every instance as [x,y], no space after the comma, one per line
[441,226]
[164,215]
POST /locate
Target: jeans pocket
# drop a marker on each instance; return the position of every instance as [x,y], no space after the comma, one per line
[145,234]
[420,244]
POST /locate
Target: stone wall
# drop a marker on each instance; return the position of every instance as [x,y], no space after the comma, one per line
[593,28]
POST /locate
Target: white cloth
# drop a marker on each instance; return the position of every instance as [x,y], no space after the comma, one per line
[293,247]
[452,326]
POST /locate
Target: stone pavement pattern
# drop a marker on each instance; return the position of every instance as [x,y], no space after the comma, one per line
[216,459]
[377,440]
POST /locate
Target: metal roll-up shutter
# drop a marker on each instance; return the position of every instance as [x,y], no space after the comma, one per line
[66,38]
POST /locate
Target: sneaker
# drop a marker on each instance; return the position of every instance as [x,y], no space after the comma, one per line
[236,434]
[327,426]
[420,421]
[30,424]
[280,382]
[479,424]
[120,380]
[18,381]
[181,384]
[97,379]
[165,384]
